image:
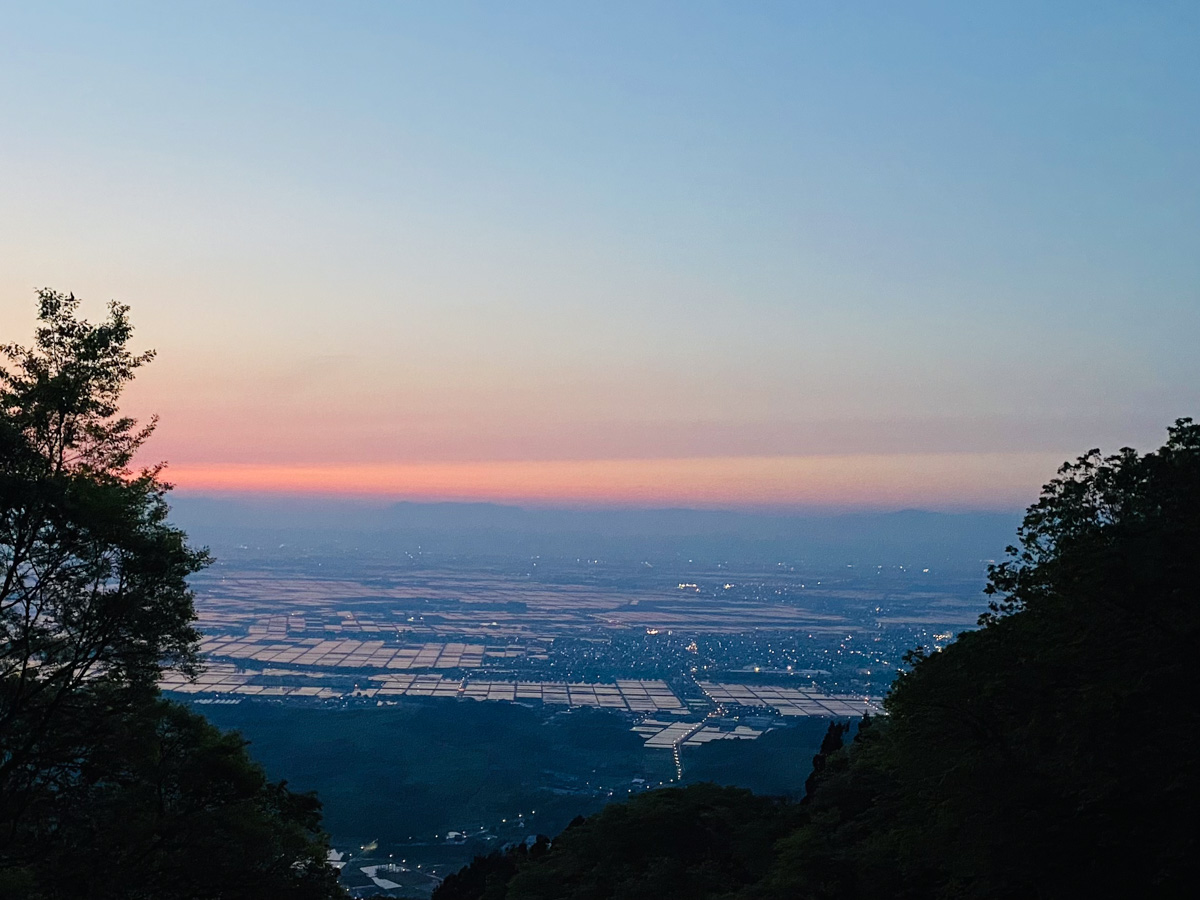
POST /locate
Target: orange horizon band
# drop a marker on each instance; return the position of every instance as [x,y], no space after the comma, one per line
[947,479]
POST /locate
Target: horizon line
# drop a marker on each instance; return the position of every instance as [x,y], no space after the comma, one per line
[386,501]
[937,481]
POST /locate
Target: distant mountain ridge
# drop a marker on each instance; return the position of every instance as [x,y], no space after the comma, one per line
[498,529]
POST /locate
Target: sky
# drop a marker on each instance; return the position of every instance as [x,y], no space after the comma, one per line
[860,255]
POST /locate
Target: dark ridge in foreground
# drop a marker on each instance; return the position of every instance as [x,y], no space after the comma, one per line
[1051,753]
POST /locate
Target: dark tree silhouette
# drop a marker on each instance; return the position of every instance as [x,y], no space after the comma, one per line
[830,744]
[1048,754]
[94,604]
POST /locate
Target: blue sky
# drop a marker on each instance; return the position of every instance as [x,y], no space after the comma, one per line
[386,234]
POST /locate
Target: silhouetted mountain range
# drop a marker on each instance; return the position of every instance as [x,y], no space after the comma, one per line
[488,529]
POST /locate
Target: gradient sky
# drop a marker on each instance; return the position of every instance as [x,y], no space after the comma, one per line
[838,254]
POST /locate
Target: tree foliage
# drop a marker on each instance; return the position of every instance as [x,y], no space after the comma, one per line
[1048,754]
[94,604]
[698,842]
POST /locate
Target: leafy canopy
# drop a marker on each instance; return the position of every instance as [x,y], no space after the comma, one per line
[1049,753]
[94,605]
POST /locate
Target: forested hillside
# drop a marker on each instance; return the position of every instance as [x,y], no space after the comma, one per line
[1049,753]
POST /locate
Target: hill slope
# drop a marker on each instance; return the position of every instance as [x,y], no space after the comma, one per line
[1048,754]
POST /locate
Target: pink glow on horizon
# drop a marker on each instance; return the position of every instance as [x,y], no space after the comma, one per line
[965,480]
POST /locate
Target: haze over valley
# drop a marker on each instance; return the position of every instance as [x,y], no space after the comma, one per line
[608,652]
